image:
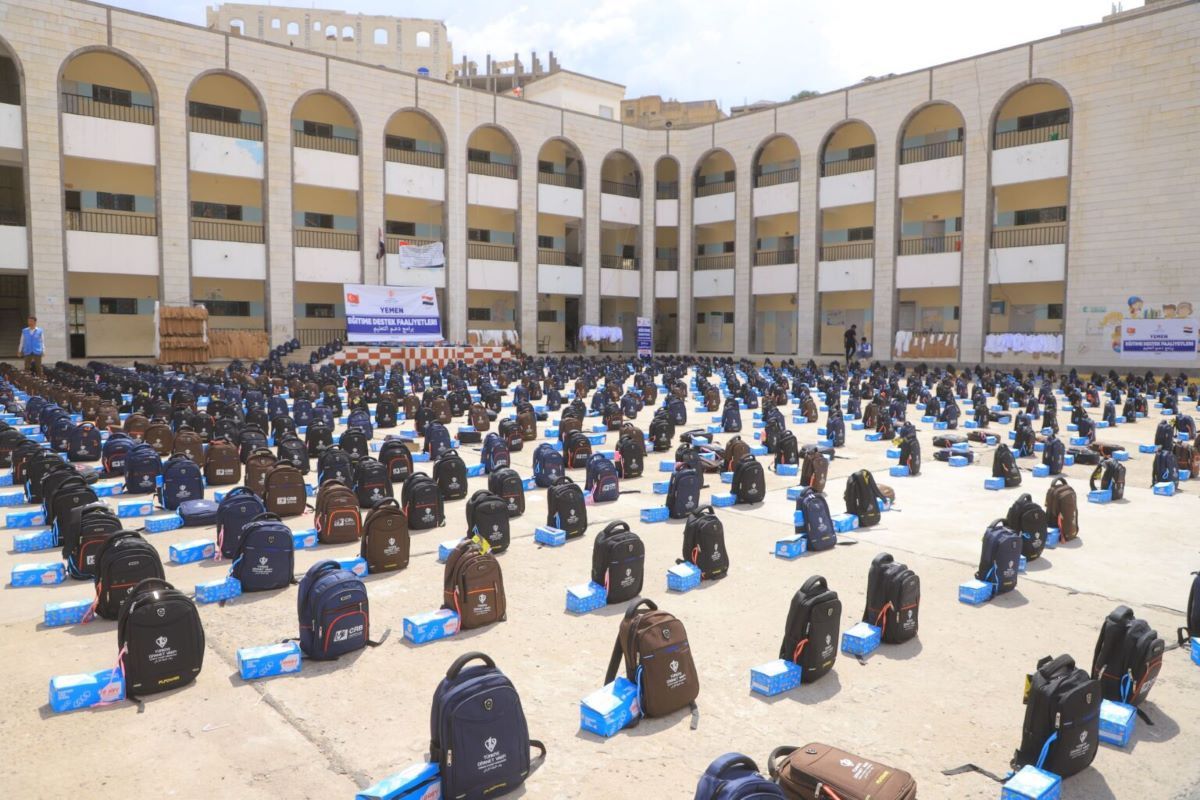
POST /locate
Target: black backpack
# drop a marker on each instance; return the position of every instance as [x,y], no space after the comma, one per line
[662,432]
[787,449]
[812,635]
[372,482]
[1028,518]
[1193,612]
[123,562]
[818,522]
[354,442]
[1111,475]
[631,457]
[450,474]
[1165,468]
[397,459]
[335,464]
[910,454]
[704,544]
[422,501]
[1164,435]
[1004,465]
[1023,445]
[999,557]
[508,485]
[619,562]
[487,517]
[683,492]
[160,638]
[1054,454]
[291,450]
[1061,732]
[565,507]
[318,437]
[893,599]
[1128,657]
[749,481]
[862,498]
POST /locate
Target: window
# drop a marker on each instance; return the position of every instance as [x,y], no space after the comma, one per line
[481,156]
[275,23]
[700,317]
[1054,311]
[322,129]
[1044,119]
[313,219]
[1037,216]
[118,305]
[606,112]
[401,228]
[348,33]
[316,25]
[728,317]
[479,314]
[400,142]
[860,234]
[547,315]
[546,167]
[862,151]
[112,96]
[227,308]
[114,202]
[237,26]
[629,112]
[318,310]
[424,39]
[219,113]
[381,36]
[545,242]
[74,202]
[478,235]
[956,312]
[293,28]
[331,31]
[216,211]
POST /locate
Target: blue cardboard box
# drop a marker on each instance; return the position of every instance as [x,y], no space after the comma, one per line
[824,442]
[1121,420]
[970,424]
[418,782]
[941,426]
[551,433]
[596,438]
[1185,474]
[215,591]
[793,492]
[474,470]
[420,458]
[446,548]
[974,592]
[1052,537]
[993,484]
[861,639]
[47,574]
[726,477]
[32,541]
[654,514]
[898,471]
[790,470]
[661,487]
[1072,427]
[1117,721]
[430,626]
[874,436]
[857,426]
[666,466]
[893,452]
[304,540]
[844,523]
[1032,783]
[1166,489]
[791,547]
[1100,496]
[189,552]
[992,441]
[774,677]
[798,518]
[25,519]
[928,419]
[1022,564]
[357,565]
[161,523]
[683,578]
[6,477]
[1041,471]
[70,612]
[1101,425]
[601,428]
[1196,650]
[585,597]
[758,450]
[1148,449]
[723,500]
[551,537]
[109,487]
[268,660]
[608,710]
[87,689]
[716,428]
[958,461]
[529,484]
[961,447]
[1078,441]
[135,508]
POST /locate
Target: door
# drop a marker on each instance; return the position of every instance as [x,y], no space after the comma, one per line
[78,328]
[572,324]
[906,317]
[1022,319]
[762,320]
[934,232]
[785,332]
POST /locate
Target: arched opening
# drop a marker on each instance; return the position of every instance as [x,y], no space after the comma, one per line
[776,205]
[14,248]
[237,26]
[347,34]
[331,32]
[424,39]
[620,247]
[560,245]
[493,275]
[666,255]
[714,180]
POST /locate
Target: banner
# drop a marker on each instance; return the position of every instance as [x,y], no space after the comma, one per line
[1158,339]
[422,256]
[645,337]
[391,314]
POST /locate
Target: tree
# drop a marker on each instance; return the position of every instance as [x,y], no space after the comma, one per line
[804,95]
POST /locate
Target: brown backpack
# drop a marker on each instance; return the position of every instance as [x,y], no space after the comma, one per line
[654,646]
[412,404]
[190,444]
[650,394]
[712,399]
[477,416]
[473,586]
[527,424]
[108,417]
[735,449]
[284,492]
[385,539]
[568,424]
[257,465]
[136,425]
[870,414]
[813,470]
[441,410]
[337,518]
[810,409]
[221,464]
[90,407]
[1062,509]
[803,772]
[160,437]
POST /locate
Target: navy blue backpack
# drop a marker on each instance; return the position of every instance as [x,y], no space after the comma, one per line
[265,557]
[818,522]
[361,419]
[734,776]
[236,510]
[677,410]
[182,481]
[83,442]
[602,479]
[683,493]
[142,468]
[437,439]
[333,611]
[731,418]
[277,407]
[302,412]
[548,465]
[495,453]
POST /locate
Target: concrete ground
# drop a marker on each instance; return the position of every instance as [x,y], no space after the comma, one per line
[951,696]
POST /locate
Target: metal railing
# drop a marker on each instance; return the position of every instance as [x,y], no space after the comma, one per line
[88,107]
[720,261]
[393,242]
[492,252]
[492,169]
[250,131]
[924,245]
[559,258]
[1030,235]
[789,175]
[847,251]
[618,187]
[709,189]
[773,258]
[846,166]
[223,230]
[666,264]
[331,144]
[316,337]
[12,216]
[666,190]
[618,262]
[112,222]
[1048,133]
[566,179]
[929,152]
[325,238]
[418,158]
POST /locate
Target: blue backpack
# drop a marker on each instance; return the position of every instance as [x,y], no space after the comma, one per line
[683,493]
[553,399]
[302,412]
[835,430]
[495,453]
[818,522]
[734,776]
[265,557]
[142,468]
[731,418]
[83,442]
[60,431]
[113,454]
[492,758]
[322,413]
[548,465]
[437,439]
[182,481]
[236,510]
[333,611]
[677,410]
[277,407]
[602,479]
[361,419]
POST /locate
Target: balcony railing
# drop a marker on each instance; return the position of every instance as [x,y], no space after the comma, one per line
[89,107]
[846,166]
[12,216]
[789,175]
[623,189]
[222,230]
[418,158]
[666,264]
[316,337]
[492,169]
[929,152]
[250,131]
[492,252]
[666,190]
[1030,235]
[924,245]
[394,242]
[112,222]
[1049,133]
[847,251]
[618,262]
[325,238]
[559,258]
[569,180]
[709,189]
[720,261]
[773,258]
[331,144]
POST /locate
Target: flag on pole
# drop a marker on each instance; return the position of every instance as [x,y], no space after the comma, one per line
[382,251]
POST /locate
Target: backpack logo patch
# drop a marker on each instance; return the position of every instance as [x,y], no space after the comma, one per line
[161,642]
[490,744]
[162,612]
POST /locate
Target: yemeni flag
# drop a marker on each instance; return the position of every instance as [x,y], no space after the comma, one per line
[382,251]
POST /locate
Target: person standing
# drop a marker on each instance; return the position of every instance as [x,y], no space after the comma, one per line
[850,340]
[31,347]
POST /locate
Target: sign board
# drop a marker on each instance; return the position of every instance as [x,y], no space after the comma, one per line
[1158,339]
[645,337]
[391,314]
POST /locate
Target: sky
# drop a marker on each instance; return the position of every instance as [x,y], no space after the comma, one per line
[735,52]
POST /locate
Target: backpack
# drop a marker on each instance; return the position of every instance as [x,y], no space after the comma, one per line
[354,442]
[1054,454]
[336,516]
[114,451]
[507,484]
[1028,519]
[1004,465]
[333,612]
[386,413]
[735,449]
[820,771]
[221,464]
[182,481]
[601,479]
[83,531]
[83,443]
[862,498]
[265,557]
[318,437]
[1111,475]
[787,449]
[704,544]
[677,410]
[1023,445]
[999,557]
[548,465]
[422,502]
[450,475]
[662,432]
[385,541]
[814,468]
[683,492]
[1062,509]
[910,454]
[1164,435]
[654,648]
[1193,613]
[257,465]
[734,776]
[812,634]
[495,453]
[494,756]
[397,459]
[251,438]
[749,481]
[1128,657]
[437,439]
[1165,468]
[372,482]
[488,519]
[818,522]
[160,638]
[619,562]
[577,449]
[1061,732]
[291,450]
[124,560]
[284,491]
[565,507]
[160,437]
[893,599]
[835,430]
[731,418]
[335,464]
[190,444]
[142,468]
[473,586]
[236,509]
[631,456]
